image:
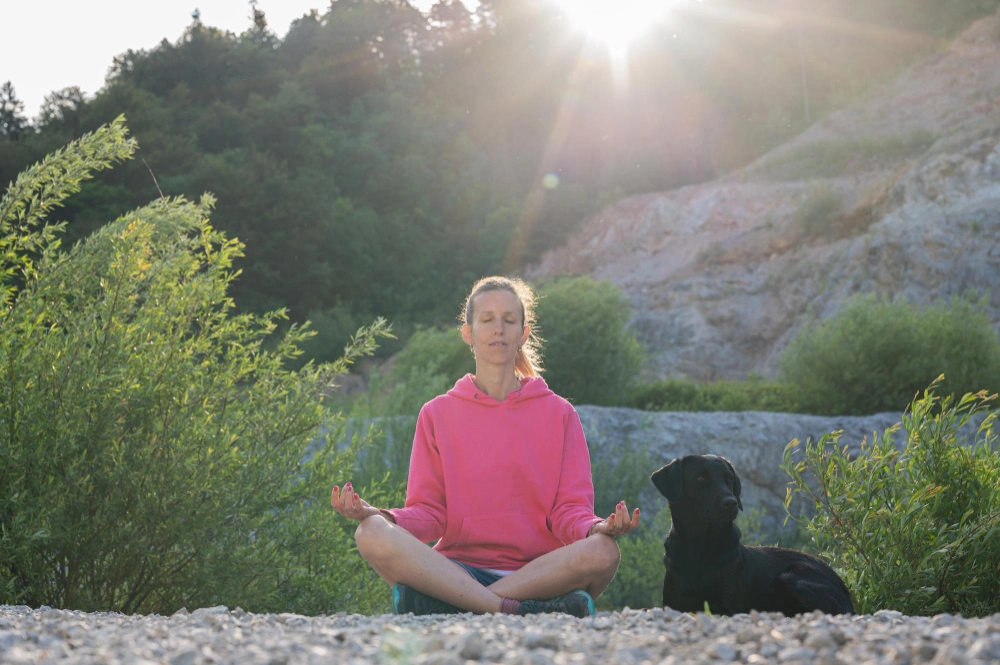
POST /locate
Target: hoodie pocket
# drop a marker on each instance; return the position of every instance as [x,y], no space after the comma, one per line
[515,535]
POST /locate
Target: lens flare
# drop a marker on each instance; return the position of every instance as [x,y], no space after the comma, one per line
[613,22]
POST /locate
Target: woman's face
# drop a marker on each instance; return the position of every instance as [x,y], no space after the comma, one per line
[495,331]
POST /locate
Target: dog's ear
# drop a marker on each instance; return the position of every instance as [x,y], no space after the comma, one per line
[669,479]
[736,484]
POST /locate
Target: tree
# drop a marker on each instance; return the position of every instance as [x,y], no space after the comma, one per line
[63,107]
[12,120]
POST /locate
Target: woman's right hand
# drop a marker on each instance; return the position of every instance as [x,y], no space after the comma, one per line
[350,505]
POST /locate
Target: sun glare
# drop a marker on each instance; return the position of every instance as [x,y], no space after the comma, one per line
[613,22]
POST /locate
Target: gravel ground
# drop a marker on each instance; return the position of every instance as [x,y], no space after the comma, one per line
[657,636]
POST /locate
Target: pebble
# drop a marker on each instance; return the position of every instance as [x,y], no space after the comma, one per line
[659,636]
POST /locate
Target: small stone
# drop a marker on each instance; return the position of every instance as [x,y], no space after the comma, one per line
[292,620]
[239,612]
[186,656]
[602,624]
[541,641]
[723,651]
[18,656]
[440,658]
[927,651]
[797,653]
[183,612]
[203,612]
[472,647]
[9,638]
[52,615]
[984,649]
[820,640]
[888,615]
[433,642]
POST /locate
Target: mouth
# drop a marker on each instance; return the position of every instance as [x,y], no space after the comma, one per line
[498,344]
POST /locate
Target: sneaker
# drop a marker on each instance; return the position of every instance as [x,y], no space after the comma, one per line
[578,603]
[406,600]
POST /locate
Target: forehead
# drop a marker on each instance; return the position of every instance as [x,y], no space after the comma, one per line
[496,301]
[703,463]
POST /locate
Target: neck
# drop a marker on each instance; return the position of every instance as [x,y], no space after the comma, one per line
[497,382]
[714,540]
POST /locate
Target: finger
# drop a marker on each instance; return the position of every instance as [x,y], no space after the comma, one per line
[334,497]
[621,516]
[635,519]
[345,497]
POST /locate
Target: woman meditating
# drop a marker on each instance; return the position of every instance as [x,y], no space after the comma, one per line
[500,477]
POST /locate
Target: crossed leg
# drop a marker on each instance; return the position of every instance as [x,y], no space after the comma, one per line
[397,556]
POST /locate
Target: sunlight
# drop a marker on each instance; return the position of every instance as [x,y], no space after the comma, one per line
[613,22]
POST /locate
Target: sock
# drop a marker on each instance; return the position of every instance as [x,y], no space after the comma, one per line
[509,606]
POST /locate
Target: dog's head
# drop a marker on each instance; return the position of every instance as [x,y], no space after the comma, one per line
[707,484]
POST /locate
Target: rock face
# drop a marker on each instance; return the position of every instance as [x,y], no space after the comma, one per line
[722,275]
[753,441]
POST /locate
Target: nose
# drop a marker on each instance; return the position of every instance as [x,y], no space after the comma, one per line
[729,502]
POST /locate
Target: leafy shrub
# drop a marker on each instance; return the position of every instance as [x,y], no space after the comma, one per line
[151,448]
[818,210]
[915,530]
[682,394]
[441,351]
[875,355]
[828,159]
[590,356]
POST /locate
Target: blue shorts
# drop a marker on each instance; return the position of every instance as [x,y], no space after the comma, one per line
[482,576]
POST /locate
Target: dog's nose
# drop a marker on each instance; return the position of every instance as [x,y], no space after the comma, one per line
[729,502]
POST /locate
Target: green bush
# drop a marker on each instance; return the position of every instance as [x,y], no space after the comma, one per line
[681,394]
[876,355]
[818,210]
[915,530]
[441,351]
[151,449]
[828,159]
[590,355]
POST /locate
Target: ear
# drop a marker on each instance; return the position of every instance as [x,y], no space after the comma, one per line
[669,479]
[467,334]
[525,334]
[737,487]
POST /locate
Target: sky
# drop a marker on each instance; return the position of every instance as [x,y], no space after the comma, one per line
[49,45]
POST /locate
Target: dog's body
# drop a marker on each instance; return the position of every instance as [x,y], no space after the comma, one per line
[707,564]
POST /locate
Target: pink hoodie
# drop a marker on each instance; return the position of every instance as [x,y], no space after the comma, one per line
[499,483]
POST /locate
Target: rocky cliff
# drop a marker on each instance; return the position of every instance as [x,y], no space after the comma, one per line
[753,441]
[898,194]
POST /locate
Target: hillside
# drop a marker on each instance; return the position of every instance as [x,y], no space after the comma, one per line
[897,194]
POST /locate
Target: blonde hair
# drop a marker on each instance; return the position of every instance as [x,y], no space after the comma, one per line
[528,361]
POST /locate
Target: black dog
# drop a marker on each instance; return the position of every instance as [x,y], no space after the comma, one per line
[706,563]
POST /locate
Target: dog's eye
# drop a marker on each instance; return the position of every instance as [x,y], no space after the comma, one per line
[702,478]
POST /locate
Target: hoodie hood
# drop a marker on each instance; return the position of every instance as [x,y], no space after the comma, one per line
[532,387]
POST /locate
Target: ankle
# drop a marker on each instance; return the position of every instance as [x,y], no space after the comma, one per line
[509,606]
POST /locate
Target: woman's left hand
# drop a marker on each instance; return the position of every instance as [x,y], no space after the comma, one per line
[618,523]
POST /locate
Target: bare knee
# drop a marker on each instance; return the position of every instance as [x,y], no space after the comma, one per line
[372,537]
[601,554]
